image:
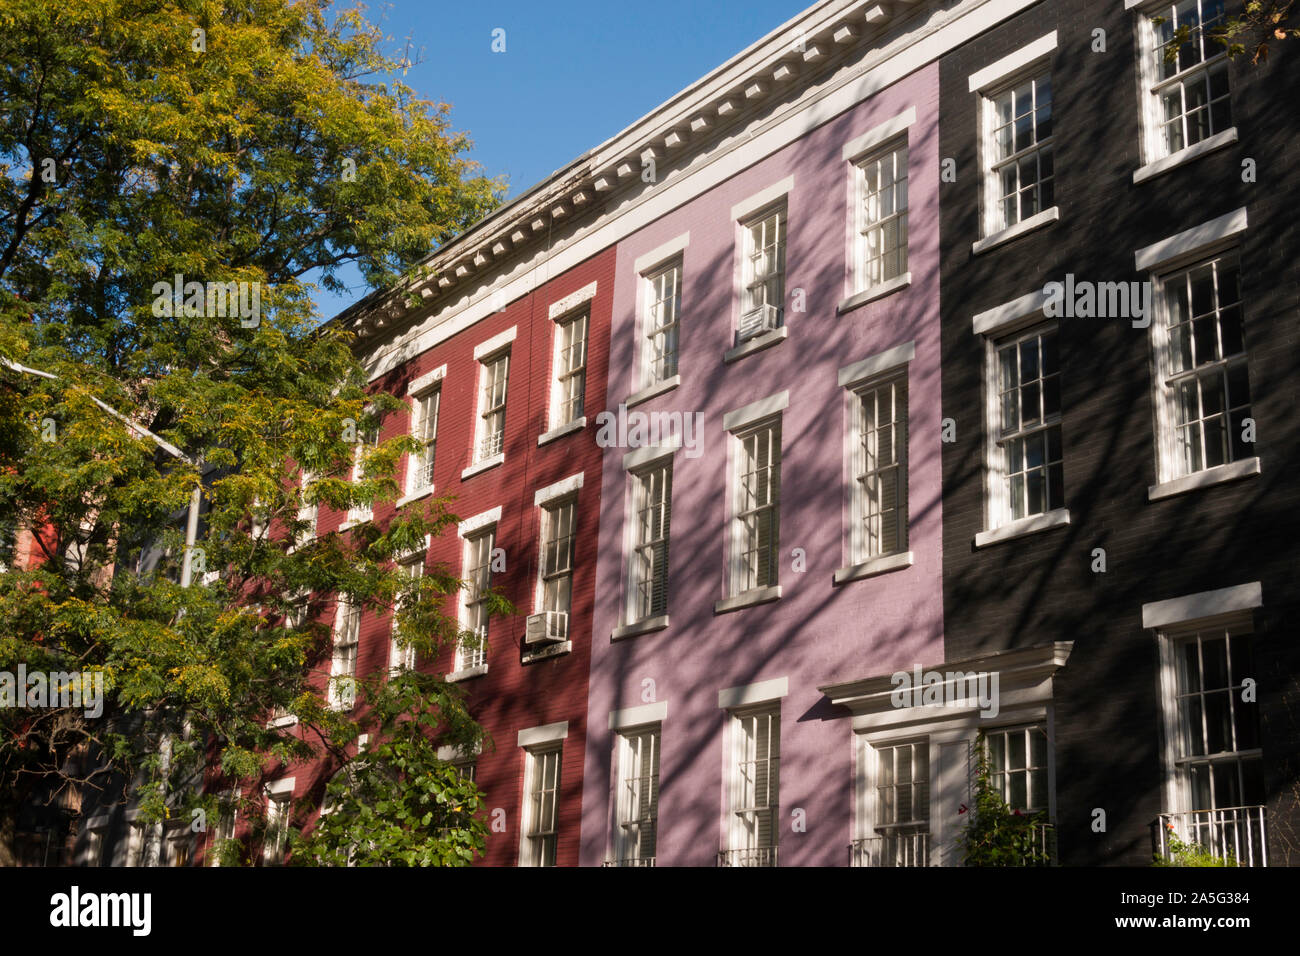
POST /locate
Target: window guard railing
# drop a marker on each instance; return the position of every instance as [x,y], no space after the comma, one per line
[1238,835]
[898,846]
[753,856]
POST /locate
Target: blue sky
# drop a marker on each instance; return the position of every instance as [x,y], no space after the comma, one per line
[574,72]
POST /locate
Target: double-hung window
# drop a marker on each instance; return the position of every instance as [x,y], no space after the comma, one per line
[637,802]
[1019,168]
[1028,469]
[756,507]
[898,806]
[1185,83]
[1018,768]
[880,469]
[652,494]
[402,656]
[1218,770]
[661,320]
[368,440]
[559,536]
[882,216]
[424,429]
[541,809]
[492,405]
[308,511]
[569,387]
[1202,377]
[343,667]
[472,651]
[753,813]
[763,293]
[278,811]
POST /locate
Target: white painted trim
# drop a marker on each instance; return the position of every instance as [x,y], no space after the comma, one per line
[661,254]
[880,69]
[1191,240]
[761,199]
[873,567]
[561,308]
[650,391]
[646,626]
[999,70]
[758,343]
[495,344]
[545,734]
[406,556]
[646,454]
[756,411]
[1036,221]
[1204,478]
[479,521]
[655,713]
[878,135]
[877,291]
[1004,316]
[427,380]
[558,489]
[762,692]
[577,425]
[277,788]
[868,368]
[1185,155]
[451,754]
[1193,607]
[466,673]
[1023,526]
[751,598]
[484,465]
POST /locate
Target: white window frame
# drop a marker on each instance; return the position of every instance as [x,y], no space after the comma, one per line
[467,660]
[1155,147]
[279,817]
[630,811]
[895,385]
[347,634]
[769,315]
[551,509]
[911,849]
[365,440]
[739,541]
[227,822]
[419,465]
[994,218]
[1048,807]
[637,502]
[489,441]
[566,369]
[1170,466]
[404,658]
[896,151]
[657,371]
[308,511]
[740,842]
[537,760]
[999,494]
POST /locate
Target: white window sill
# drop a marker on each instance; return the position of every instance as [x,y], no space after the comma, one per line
[482,466]
[1185,155]
[869,569]
[875,292]
[352,523]
[553,650]
[467,673]
[1036,221]
[286,721]
[648,626]
[750,598]
[1018,529]
[577,425]
[1203,479]
[650,391]
[413,496]
[757,344]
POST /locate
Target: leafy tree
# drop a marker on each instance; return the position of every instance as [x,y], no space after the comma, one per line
[996,835]
[246,141]
[1259,23]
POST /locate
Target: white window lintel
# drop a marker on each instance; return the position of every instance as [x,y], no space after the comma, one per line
[558,489]
[480,521]
[651,453]
[560,309]
[762,692]
[1191,240]
[546,734]
[1192,607]
[1008,314]
[878,135]
[659,255]
[756,411]
[427,380]
[654,713]
[496,343]
[999,70]
[877,364]
[757,202]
